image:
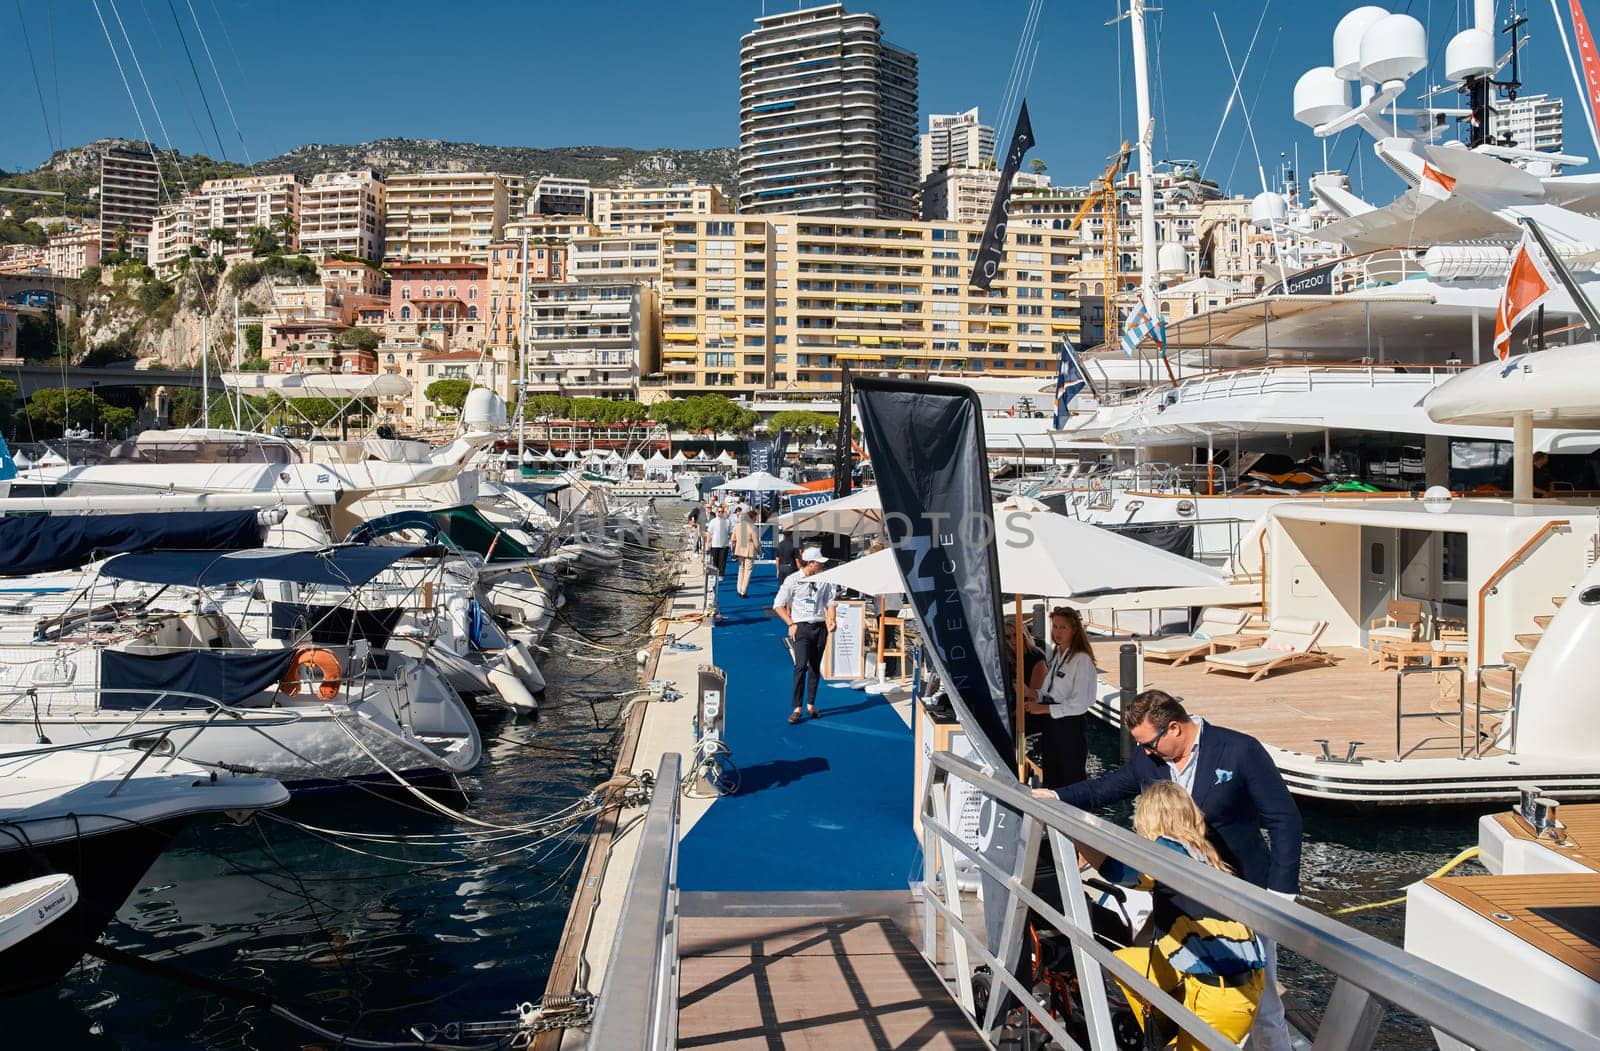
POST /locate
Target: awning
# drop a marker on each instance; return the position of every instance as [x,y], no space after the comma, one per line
[345,566]
[47,543]
[397,522]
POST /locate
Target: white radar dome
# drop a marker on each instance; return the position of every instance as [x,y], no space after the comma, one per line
[1267,208]
[1470,53]
[1347,40]
[483,409]
[1393,48]
[1172,259]
[1319,96]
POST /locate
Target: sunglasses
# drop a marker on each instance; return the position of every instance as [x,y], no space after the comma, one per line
[1150,745]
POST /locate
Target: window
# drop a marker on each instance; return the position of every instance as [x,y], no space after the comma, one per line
[1375,560]
[405,314]
[472,313]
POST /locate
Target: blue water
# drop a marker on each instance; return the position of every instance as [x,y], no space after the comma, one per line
[824,804]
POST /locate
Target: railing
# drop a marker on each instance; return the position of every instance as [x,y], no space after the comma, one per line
[1401,715]
[1489,586]
[1368,972]
[638,1004]
[1510,711]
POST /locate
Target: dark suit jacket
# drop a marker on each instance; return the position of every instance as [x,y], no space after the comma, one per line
[1239,791]
[786,552]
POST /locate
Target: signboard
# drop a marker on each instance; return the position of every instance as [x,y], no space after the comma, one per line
[800,501]
[846,655]
[1318,281]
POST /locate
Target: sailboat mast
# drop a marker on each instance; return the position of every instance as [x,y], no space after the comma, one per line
[522,352]
[1147,130]
[205,375]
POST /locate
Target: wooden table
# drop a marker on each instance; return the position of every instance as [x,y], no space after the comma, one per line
[1238,641]
[1403,654]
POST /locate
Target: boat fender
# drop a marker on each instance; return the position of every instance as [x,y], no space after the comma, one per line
[518,657]
[321,659]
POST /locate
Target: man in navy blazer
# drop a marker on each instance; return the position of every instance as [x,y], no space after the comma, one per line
[1236,786]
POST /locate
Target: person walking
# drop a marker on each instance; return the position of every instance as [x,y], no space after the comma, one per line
[788,556]
[697,522]
[1214,966]
[1065,698]
[718,534]
[1239,791]
[746,548]
[807,608]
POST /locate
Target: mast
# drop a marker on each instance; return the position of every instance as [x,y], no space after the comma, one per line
[1147,130]
[522,351]
[238,360]
[205,375]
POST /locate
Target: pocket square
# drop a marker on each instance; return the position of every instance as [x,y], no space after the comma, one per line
[1224,776]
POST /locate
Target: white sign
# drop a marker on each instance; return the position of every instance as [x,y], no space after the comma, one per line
[847,643]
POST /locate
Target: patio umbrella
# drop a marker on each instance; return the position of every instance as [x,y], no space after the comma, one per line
[760,482]
[859,514]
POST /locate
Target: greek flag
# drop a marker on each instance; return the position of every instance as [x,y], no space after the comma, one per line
[1069,381]
[1140,324]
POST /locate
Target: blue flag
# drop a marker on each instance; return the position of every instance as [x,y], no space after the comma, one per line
[1069,381]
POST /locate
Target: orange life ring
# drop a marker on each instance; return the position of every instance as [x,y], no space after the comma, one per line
[325,662]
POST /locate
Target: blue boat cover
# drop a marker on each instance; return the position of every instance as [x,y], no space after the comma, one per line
[349,565]
[398,522]
[300,622]
[46,543]
[138,680]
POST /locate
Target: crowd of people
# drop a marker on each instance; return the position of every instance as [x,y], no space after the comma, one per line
[1209,794]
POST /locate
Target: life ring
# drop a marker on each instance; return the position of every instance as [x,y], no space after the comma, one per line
[324,661]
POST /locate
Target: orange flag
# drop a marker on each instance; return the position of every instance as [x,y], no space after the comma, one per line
[1526,287]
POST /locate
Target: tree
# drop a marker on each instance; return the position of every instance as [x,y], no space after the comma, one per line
[704,413]
[606,410]
[554,405]
[448,394]
[262,241]
[802,421]
[1038,167]
[219,235]
[359,338]
[8,398]
[284,226]
[252,340]
[52,410]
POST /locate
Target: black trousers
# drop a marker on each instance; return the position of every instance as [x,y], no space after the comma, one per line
[810,639]
[1066,750]
[718,557]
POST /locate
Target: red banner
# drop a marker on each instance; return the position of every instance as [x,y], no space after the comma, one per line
[1588,56]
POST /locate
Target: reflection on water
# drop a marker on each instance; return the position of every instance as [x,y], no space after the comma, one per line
[370,936]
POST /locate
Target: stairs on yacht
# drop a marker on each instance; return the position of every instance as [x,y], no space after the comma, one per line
[1497,683]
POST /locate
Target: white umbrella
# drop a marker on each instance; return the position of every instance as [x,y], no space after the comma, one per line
[760,482]
[1050,555]
[858,514]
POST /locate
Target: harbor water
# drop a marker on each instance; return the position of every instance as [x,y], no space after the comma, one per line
[413,924]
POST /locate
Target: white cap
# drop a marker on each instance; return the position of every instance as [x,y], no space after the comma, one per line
[813,554]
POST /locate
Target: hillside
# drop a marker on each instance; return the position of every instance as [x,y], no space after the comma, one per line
[76,171]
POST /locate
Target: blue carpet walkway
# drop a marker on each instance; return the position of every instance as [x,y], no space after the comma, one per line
[822,805]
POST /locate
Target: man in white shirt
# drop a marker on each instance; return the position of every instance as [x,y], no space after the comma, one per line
[807,607]
[719,531]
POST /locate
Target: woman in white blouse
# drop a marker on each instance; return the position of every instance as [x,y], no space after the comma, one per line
[1066,697]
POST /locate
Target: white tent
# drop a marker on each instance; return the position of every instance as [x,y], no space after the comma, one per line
[548,457]
[859,514]
[635,458]
[657,460]
[528,457]
[725,456]
[1046,554]
[678,459]
[760,482]
[570,457]
[22,460]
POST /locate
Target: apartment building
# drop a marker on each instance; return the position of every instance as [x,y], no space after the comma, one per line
[440,306]
[444,217]
[590,339]
[827,117]
[644,209]
[955,140]
[22,259]
[545,262]
[130,186]
[241,205]
[301,329]
[480,368]
[559,195]
[780,303]
[72,250]
[965,194]
[343,213]
[615,257]
[173,231]
[550,229]
[1533,122]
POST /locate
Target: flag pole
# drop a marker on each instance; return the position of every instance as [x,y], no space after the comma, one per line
[1579,300]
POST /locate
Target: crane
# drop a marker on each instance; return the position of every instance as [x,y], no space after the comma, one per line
[1104,195]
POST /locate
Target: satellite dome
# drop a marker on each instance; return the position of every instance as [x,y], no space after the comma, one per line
[1470,53]
[484,409]
[1172,259]
[1347,40]
[1393,48]
[1319,96]
[1267,208]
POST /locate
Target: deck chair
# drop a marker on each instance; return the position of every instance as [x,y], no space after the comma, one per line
[1214,621]
[1291,642]
[1401,622]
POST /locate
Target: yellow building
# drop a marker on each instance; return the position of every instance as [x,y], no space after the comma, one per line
[781,302]
[645,209]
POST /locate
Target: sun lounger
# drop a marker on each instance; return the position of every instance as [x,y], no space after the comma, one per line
[1214,621]
[1291,642]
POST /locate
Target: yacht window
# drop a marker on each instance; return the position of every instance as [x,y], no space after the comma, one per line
[1375,560]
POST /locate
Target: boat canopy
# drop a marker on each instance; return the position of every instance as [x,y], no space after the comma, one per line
[166,680]
[397,522]
[466,528]
[349,565]
[48,543]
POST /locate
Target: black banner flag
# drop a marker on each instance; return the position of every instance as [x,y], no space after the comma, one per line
[993,245]
[927,447]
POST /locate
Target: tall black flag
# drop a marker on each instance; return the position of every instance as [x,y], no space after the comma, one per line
[993,245]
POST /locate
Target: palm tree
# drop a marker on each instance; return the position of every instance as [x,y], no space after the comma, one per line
[283,225]
[221,237]
[262,242]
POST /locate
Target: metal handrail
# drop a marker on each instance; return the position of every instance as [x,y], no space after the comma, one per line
[1511,709]
[1369,972]
[1400,715]
[1491,585]
[638,1004]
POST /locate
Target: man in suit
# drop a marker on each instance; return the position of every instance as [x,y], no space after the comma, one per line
[1239,790]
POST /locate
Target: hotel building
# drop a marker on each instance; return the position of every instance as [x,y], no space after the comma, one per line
[827,117]
[343,212]
[751,304]
[130,186]
[443,217]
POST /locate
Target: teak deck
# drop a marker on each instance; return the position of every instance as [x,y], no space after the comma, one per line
[1516,896]
[1352,700]
[1583,830]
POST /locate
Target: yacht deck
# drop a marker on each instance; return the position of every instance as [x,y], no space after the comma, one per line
[1351,700]
[1509,903]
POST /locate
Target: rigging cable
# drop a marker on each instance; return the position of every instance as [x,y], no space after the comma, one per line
[195,72]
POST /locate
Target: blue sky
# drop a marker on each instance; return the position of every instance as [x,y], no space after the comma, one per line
[652,74]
